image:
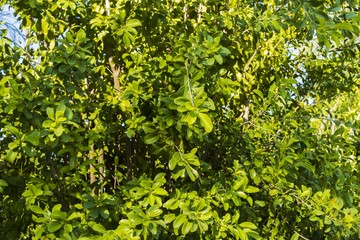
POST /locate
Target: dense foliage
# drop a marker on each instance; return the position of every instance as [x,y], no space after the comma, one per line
[172,119]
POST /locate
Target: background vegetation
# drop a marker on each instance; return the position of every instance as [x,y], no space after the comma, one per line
[178,119]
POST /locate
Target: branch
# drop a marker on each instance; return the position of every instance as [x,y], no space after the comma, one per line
[246,111]
[199,12]
[302,236]
[92,169]
[107,7]
[116,72]
[185,12]
[188,82]
[251,58]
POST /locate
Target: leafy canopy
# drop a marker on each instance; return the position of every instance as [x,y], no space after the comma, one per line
[177,119]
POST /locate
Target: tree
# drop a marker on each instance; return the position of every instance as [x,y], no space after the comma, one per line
[181,120]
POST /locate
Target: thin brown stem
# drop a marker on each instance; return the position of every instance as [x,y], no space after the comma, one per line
[116,72]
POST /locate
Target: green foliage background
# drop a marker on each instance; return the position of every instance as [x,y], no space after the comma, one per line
[178,119]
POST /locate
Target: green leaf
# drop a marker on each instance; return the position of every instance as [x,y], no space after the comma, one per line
[160,191]
[168,218]
[154,211]
[14,144]
[44,26]
[197,75]
[321,15]
[242,234]
[3,183]
[205,122]
[37,209]
[59,130]
[210,61]
[174,160]
[259,93]
[251,189]
[305,164]
[162,64]
[219,59]
[314,218]
[133,23]
[180,219]
[68,228]
[273,192]
[339,131]
[260,203]
[351,15]
[148,128]
[128,38]
[181,101]
[191,172]
[172,204]
[189,118]
[14,131]
[343,26]
[33,137]
[64,68]
[54,226]
[11,156]
[250,200]
[122,15]
[248,225]
[224,51]
[253,234]
[47,124]
[151,138]
[14,85]
[97,227]
[50,113]
[69,50]
[68,114]
[75,215]
[60,110]
[104,213]
[334,8]
[295,236]
[327,220]
[337,202]
[186,227]
[80,35]
[317,212]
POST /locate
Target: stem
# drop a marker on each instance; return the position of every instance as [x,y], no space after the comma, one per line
[116,72]
[246,111]
[302,236]
[107,7]
[188,83]
[92,168]
[129,158]
[185,12]
[247,65]
[101,169]
[199,12]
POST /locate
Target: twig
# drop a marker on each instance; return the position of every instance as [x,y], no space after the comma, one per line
[185,12]
[188,82]
[116,72]
[251,58]
[246,111]
[302,236]
[199,12]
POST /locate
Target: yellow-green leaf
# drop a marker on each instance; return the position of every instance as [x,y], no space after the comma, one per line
[151,138]
[205,122]
[248,225]
[273,192]
[54,226]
